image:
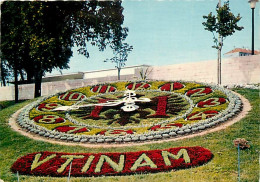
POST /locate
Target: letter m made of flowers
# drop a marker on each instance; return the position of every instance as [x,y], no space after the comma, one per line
[182,152]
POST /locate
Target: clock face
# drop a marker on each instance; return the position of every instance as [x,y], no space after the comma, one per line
[160,106]
[129,111]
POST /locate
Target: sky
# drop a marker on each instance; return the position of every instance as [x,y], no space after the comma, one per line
[165,32]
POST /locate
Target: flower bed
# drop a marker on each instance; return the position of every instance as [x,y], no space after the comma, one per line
[99,164]
[174,109]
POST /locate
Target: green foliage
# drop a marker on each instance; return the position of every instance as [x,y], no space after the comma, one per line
[5,104]
[224,23]
[50,29]
[100,24]
[121,52]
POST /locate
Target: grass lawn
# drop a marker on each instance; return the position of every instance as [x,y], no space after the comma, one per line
[222,168]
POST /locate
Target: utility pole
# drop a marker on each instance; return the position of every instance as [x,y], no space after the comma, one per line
[253,31]
[0,55]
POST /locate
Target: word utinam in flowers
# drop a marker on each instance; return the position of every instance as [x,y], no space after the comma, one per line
[99,164]
[130,111]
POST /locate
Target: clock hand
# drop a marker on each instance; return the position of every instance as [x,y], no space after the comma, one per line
[143,100]
[129,103]
[108,103]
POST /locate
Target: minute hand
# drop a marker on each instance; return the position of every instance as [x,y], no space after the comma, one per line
[108,103]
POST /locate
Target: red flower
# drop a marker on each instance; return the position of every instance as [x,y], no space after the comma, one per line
[72,96]
[103,88]
[167,126]
[95,88]
[49,163]
[197,92]
[116,132]
[48,119]
[75,96]
[202,115]
[211,102]
[71,129]
[161,107]
[171,86]
[135,86]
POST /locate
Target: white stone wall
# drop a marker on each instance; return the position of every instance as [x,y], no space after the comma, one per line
[48,88]
[239,70]
[108,73]
[204,71]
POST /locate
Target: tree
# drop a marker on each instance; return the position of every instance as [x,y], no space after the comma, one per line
[26,44]
[47,38]
[224,24]
[120,56]
[50,29]
[11,40]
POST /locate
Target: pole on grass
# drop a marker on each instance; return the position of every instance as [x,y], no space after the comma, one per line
[17,176]
[238,160]
[69,172]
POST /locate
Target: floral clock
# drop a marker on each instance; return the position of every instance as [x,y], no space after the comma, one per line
[130,111]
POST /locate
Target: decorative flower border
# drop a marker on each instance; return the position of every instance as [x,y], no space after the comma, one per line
[99,164]
[164,129]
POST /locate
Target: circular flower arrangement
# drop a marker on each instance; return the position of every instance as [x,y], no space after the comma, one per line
[130,111]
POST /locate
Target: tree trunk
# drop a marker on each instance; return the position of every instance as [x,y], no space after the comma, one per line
[219,52]
[4,82]
[16,90]
[219,58]
[38,84]
[29,76]
[218,73]
[1,79]
[28,68]
[118,72]
[219,66]
[38,81]
[21,74]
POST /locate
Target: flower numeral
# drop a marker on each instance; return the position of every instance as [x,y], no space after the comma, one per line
[49,119]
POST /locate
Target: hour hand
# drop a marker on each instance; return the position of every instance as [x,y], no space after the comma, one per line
[64,108]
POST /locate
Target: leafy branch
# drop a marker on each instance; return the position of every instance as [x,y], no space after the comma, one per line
[120,52]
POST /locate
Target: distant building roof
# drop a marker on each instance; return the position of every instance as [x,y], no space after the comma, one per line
[243,51]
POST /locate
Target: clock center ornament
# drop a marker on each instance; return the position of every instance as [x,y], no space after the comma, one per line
[123,112]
